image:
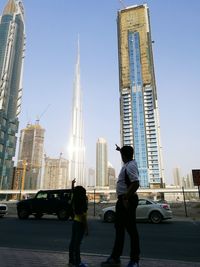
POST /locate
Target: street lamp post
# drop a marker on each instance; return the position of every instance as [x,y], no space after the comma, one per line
[94,202]
[184,202]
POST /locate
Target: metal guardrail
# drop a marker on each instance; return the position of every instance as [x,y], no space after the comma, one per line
[148,190]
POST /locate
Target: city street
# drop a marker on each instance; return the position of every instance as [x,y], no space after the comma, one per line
[174,240]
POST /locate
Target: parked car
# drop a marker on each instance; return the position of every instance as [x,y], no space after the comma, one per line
[3,209]
[146,210]
[56,202]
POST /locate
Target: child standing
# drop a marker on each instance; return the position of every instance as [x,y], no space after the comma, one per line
[79,226]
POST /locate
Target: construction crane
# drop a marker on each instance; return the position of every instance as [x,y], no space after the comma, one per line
[42,114]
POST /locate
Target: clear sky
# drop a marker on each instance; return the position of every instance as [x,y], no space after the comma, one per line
[52,29]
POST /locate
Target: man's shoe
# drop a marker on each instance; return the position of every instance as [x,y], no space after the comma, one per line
[133,264]
[110,262]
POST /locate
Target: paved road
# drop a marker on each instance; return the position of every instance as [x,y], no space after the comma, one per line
[174,240]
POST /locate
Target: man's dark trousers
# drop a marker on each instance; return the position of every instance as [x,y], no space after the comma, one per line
[74,247]
[126,220]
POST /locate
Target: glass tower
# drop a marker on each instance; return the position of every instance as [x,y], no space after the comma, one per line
[76,145]
[138,98]
[12,45]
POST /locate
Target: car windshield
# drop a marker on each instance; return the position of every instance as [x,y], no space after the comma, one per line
[41,195]
[145,202]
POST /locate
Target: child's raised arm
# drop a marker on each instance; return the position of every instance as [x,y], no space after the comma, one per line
[73,183]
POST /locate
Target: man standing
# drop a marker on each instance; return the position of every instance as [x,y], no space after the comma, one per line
[127,185]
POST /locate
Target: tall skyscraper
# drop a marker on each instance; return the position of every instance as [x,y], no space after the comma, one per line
[76,146]
[140,126]
[12,45]
[101,163]
[31,146]
[178,180]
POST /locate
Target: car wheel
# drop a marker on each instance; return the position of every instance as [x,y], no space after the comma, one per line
[63,215]
[38,215]
[109,216]
[155,217]
[23,213]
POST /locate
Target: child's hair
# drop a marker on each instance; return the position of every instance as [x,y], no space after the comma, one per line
[79,200]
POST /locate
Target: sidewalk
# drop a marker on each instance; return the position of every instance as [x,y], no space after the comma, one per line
[11,257]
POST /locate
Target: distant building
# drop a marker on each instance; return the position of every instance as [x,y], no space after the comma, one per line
[190,180]
[139,117]
[55,173]
[184,181]
[101,163]
[189,184]
[111,177]
[31,145]
[178,179]
[12,46]
[91,178]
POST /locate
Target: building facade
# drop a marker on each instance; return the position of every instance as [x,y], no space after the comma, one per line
[111,177]
[76,145]
[101,163]
[12,45]
[30,155]
[91,178]
[55,173]
[139,119]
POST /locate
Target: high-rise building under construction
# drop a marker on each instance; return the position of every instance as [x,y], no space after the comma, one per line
[55,173]
[139,116]
[12,43]
[31,146]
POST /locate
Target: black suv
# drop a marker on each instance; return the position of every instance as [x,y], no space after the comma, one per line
[57,202]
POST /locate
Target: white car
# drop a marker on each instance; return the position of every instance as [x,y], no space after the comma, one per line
[147,210]
[3,209]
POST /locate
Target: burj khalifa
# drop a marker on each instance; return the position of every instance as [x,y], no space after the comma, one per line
[76,145]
